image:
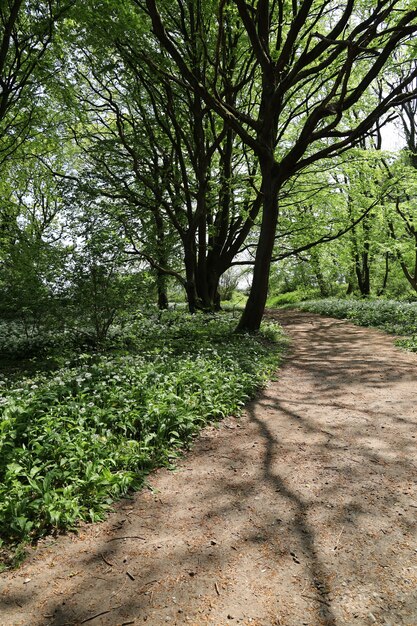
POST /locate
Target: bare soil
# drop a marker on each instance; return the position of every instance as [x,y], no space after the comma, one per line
[301,513]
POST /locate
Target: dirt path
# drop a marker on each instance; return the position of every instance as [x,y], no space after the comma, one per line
[301,513]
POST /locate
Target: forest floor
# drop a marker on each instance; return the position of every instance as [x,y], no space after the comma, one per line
[303,512]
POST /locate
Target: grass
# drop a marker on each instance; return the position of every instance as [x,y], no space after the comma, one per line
[75,439]
[392,316]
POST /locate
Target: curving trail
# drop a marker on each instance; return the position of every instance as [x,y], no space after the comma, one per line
[301,513]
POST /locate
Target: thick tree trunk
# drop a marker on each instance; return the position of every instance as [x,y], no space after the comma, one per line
[255,305]
[161,279]
[162,291]
[190,286]
[213,288]
[315,264]
[202,281]
[191,297]
[363,274]
[207,287]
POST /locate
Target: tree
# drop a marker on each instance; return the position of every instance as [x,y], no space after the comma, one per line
[313,63]
[101,284]
[172,168]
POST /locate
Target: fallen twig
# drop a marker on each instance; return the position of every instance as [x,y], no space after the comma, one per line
[106,561]
[130,576]
[150,582]
[89,619]
[217,589]
[127,537]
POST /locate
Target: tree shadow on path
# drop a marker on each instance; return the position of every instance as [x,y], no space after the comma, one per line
[299,513]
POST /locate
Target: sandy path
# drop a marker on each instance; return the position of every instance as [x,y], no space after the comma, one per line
[301,513]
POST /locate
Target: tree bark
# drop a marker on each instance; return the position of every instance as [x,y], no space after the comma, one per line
[190,270]
[363,274]
[162,291]
[255,305]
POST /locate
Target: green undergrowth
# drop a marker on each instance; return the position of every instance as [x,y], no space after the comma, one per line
[291,297]
[398,318]
[74,440]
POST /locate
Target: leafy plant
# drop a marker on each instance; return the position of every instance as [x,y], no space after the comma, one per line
[74,440]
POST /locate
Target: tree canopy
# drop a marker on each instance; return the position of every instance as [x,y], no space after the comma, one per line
[174,141]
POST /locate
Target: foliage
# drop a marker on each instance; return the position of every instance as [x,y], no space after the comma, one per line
[17,343]
[26,34]
[74,440]
[237,300]
[409,344]
[301,92]
[399,318]
[141,145]
[169,144]
[291,297]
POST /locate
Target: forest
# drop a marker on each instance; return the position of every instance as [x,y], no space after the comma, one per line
[168,170]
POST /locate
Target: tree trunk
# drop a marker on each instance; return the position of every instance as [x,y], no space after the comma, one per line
[255,305]
[412,278]
[213,289]
[207,287]
[202,283]
[162,260]
[363,274]
[315,264]
[162,290]
[190,263]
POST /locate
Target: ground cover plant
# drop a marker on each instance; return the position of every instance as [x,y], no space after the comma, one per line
[73,440]
[275,301]
[392,316]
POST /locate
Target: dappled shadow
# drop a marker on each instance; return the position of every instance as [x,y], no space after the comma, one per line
[303,512]
[301,528]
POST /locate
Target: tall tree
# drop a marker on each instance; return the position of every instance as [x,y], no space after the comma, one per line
[167,158]
[313,61]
